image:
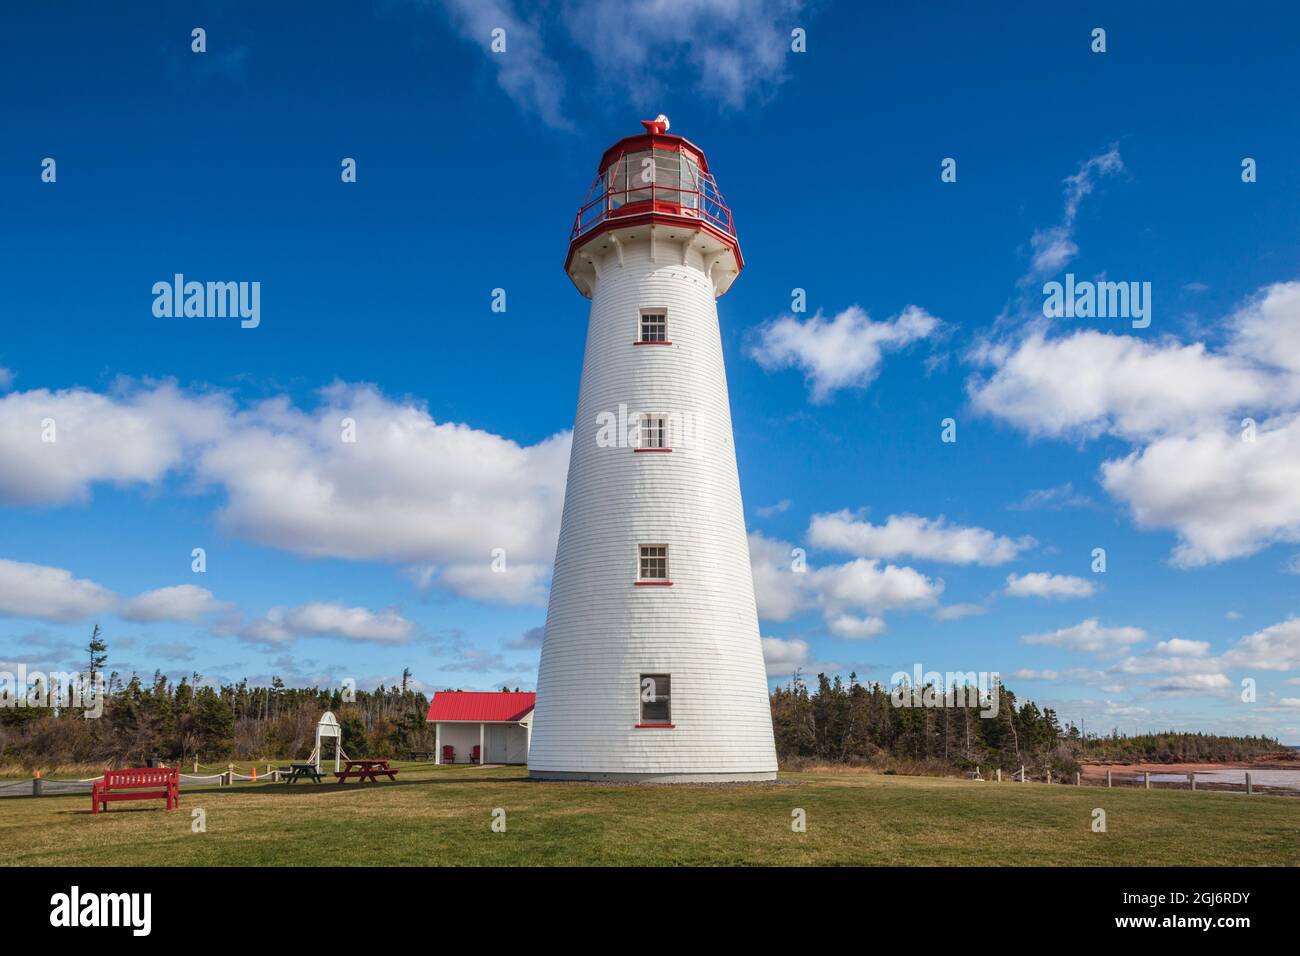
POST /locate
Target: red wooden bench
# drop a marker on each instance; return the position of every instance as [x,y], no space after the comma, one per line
[448,753]
[137,783]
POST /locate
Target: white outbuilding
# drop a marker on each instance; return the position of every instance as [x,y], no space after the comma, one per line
[482,727]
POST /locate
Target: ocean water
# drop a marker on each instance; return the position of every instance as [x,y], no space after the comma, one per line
[1289,779]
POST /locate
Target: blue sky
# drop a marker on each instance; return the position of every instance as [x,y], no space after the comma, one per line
[924,301]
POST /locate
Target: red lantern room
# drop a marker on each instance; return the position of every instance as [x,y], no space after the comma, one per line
[654,186]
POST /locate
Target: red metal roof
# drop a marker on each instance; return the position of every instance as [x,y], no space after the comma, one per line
[481,705]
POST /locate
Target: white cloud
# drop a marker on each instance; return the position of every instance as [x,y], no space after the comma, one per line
[1180,646]
[1092,383]
[6,378]
[328,619]
[530,640]
[134,435]
[1162,659]
[1192,684]
[1028,674]
[915,537]
[844,352]
[409,490]
[1178,666]
[1052,499]
[1090,637]
[779,591]
[955,612]
[1193,467]
[856,628]
[784,657]
[768,511]
[49,594]
[1225,497]
[1274,648]
[1267,327]
[734,52]
[517,584]
[183,602]
[1084,181]
[529,75]
[861,585]
[1054,248]
[1044,585]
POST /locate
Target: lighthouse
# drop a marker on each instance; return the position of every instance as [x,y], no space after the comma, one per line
[652,665]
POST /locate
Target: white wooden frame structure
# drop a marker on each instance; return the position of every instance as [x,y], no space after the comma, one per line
[328,727]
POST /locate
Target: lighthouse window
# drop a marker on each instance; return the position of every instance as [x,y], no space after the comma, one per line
[654,431]
[690,183]
[654,562]
[655,699]
[640,172]
[668,176]
[654,326]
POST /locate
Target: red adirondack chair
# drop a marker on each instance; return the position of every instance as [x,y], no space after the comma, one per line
[448,753]
[474,756]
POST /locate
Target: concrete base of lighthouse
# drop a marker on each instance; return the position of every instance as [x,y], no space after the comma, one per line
[762,776]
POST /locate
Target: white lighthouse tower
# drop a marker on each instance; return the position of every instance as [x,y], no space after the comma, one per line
[652,667]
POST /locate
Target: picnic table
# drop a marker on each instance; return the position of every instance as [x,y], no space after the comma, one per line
[365,770]
[420,755]
[298,771]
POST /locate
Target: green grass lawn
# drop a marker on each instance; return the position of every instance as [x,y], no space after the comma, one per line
[443,816]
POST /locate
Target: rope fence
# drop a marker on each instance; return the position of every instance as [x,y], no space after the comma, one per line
[39,786]
[1146,780]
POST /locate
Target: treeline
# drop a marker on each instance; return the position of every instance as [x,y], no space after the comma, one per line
[856,723]
[859,723]
[1175,747]
[178,721]
[838,722]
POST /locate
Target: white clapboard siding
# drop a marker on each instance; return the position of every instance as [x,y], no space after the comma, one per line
[602,631]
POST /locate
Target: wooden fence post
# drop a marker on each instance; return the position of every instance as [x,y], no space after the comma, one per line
[1191,778]
[1146,779]
[1022,773]
[1076,778]
[196,763]
[36,783]
[999,774]
[1049,774]
[1108,783]
[1249,791]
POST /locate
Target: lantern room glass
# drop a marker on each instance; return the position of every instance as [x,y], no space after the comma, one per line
[663,175]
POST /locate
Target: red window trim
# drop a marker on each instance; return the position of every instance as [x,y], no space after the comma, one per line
[651,449]
[655,726]
[653,584]
[652,343]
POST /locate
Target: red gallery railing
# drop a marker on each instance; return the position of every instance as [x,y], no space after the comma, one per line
[705,203]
